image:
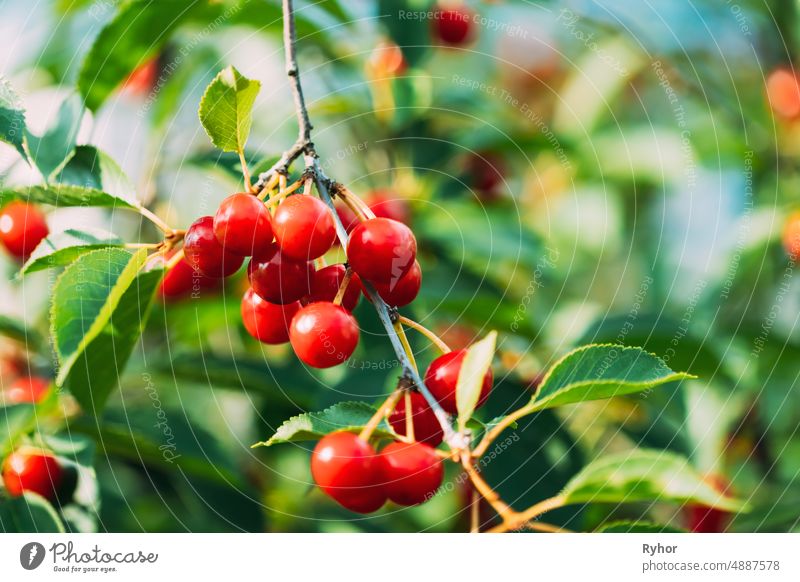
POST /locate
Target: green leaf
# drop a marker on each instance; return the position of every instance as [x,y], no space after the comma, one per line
[477,362]
[595,372]
[226,109]
[349,416]
[99,308]
[636,527]
[63,248]
[12,117]
[136,33]
[49,150]
[92,168]
[16,330]
[30,513]
[14,420]
[645,475]
[64,195]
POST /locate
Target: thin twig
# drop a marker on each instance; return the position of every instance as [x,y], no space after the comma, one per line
[165,228]
[520,519]
[383,411]
[435,339]
[348,275]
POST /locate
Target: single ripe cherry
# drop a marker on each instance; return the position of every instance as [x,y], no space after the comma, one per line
[403,291]
[278,278]
[304,227]
[28,389]
[182,280]
[347,217]
[381,250]
[387,204]
[349,470]
[204,253]
[454,26]
[791,236]
[783,92]
[265,321]
[442,378]
[243,224]
[22,228]
[426,426]
[412,472]
[323,334]
[325,285]
[32,470]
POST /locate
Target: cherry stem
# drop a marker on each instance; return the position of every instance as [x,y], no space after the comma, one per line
[546,527]
[283,193]
[348,276]
[163,226]
[435,339]
[401,333]
[497,430]
[174,260]
[383,411]
[474,511]
[265,190]
[409,416]
[355,203]
[502,509]
[142,245]
[519,520]
[245,172]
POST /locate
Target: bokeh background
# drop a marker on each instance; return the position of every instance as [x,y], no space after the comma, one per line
[578,171]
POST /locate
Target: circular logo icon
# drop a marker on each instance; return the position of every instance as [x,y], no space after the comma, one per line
[31,555]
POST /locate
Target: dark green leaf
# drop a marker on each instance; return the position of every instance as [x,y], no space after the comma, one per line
[12,117]
[63,248]
[645,475]
[596,372]
[14,420]
[349,416]
[226,109]
[30,513]
[99,308]
[49,150]
[636,527]
[91,168]
[16,330]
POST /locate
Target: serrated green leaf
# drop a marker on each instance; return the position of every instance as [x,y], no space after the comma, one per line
[92,168]
[12,117]
[645,475]
[29,513]
[637,527]
[63,195]
[349,416]
[63,248]
[136,33]
[99,308]
[55,145]
[226,109]
[476,363]
[595,372]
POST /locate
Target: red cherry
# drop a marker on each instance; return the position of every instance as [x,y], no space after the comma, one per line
[426,426]
[486,170]
[265,321]
[243,224]
[347,217]
[204,253]
[387,204]
[348,469]
[454,26]
[182,280]
[325,286]
[442,378]
[28,389]
[304,227]
[783,92]
[404,290]
[143,77]
[412,472]
[381,249]
[22,228]
[34,471]
[278,278]
[323,334]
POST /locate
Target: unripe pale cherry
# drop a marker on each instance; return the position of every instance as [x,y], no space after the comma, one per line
[323,334]
[243,224]
[265,321]
[204,253]
[441,378]
[381,250]
[304,227]
[277,278]
[412,472]
[22,228]
[349,470]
